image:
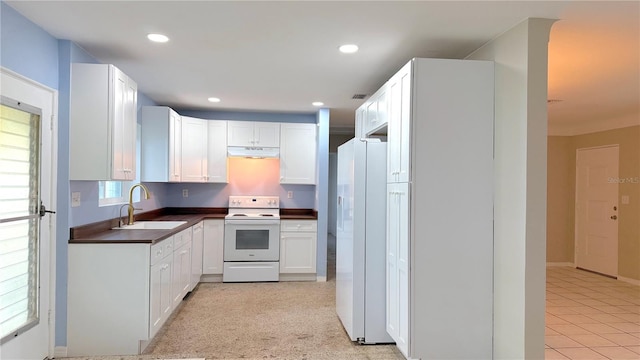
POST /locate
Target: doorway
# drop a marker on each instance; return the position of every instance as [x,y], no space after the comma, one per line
[596,209]
[27,277]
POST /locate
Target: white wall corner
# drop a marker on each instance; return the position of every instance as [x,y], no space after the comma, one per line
[520,55]
[321,278]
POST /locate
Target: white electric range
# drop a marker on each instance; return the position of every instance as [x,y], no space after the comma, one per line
[252,239]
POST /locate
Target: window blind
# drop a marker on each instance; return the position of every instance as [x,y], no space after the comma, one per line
[19,219]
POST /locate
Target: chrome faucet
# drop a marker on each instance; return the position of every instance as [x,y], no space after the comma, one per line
[131,208]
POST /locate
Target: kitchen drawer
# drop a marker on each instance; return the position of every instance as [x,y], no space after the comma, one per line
[298,225]
[161,249]
[182,238]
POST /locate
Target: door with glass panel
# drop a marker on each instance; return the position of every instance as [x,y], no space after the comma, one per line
[25,232]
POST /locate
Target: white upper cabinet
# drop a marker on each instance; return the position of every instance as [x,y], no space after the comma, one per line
[253,134]
[194,149]
[298,148]
[161,144]
[398,130]
[376,112]
[361,113]
[217,152]
[102,123]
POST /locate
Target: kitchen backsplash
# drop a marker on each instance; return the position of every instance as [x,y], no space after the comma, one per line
[246,177]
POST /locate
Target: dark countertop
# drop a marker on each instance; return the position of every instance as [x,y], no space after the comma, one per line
[298,214]
[102,232]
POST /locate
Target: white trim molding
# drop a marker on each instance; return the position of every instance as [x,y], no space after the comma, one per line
[321,279]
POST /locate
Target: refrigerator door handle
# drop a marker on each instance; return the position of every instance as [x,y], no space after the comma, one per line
[340,220]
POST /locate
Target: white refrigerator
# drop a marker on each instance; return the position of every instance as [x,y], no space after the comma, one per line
[361,240]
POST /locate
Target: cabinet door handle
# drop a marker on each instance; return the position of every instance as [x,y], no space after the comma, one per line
[159,252]
[183,252]
[165,266]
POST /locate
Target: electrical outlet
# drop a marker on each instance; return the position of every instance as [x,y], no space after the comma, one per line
[185,193]
[75,199]
[289,194]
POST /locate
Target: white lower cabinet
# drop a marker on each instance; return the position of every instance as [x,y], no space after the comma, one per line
[298,241]
[160,299]
[120,294]
[213,247]
[398,264]
[196,254]
[181,277]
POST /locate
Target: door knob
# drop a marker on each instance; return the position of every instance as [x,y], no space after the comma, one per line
[614,217]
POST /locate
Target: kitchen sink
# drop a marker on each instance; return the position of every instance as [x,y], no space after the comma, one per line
[152,225]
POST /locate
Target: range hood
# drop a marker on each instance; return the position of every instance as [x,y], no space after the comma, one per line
[253,152]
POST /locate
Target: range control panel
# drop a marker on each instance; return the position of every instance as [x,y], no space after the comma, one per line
[260,202]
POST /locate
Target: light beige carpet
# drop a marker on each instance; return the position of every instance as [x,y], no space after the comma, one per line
[287,320]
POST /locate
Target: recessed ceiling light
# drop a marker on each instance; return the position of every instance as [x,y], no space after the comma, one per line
[348,48]
[214,99]
[317,103]
[159,38]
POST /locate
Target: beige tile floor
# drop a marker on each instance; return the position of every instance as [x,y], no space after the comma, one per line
[591,316]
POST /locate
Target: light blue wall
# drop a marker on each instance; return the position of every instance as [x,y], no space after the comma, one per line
[322,192]
[217,195]
[68,52]
[27,49]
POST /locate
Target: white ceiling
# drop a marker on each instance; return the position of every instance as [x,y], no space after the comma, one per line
[280,56]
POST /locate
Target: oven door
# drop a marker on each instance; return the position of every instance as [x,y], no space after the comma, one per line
[251,240]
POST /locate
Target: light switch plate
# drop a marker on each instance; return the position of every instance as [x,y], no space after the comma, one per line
[75,199]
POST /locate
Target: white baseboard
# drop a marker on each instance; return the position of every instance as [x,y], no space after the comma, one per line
[60,352]
[297,277]
[629,280]
[321,279]
[209,278]
[551,264]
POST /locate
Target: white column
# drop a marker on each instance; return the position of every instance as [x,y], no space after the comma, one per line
[520,56]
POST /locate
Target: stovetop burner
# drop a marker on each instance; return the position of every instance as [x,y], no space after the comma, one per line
[248,208]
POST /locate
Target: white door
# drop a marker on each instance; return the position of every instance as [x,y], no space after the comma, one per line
[27,176]
[597,209]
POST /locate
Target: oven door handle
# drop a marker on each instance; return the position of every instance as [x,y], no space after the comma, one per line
[252,222]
